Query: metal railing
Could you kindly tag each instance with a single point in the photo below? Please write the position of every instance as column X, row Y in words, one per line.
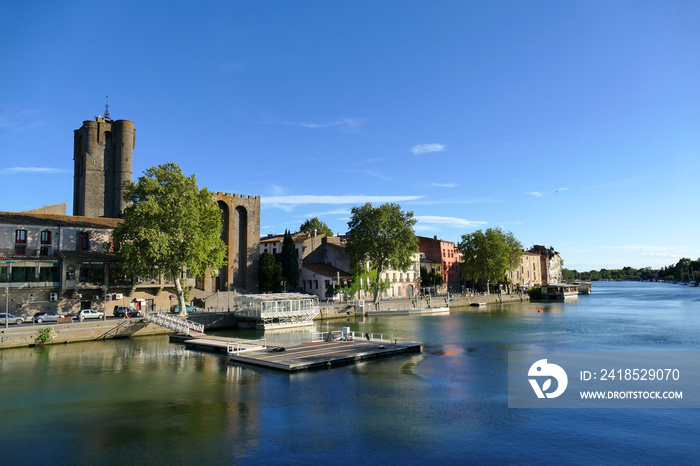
column 339, row 335
column 173, row 323
column 235, row 347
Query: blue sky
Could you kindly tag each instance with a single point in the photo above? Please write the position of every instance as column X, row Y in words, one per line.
column 573, row 124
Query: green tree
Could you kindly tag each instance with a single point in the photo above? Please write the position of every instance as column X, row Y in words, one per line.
column 430, row 279
column 381, row 238
column 489, row 255
column 170, row 227
column 270, row 274
column 289, row 260
column 315, row 225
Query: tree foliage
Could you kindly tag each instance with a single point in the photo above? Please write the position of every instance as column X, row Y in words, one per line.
column 381, row 237
column 269, row 274
column 684, row 270
column 489, row 255
column 366, row 280
column 430, row 279
column 289, row 260
column 170, row 227
column 315, row 225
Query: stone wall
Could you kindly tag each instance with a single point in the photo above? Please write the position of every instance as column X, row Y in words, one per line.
column 27, row 335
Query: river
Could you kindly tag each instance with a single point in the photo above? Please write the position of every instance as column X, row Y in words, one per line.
column 147, row 401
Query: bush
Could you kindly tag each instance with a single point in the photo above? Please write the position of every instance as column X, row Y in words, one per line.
column 44, row 336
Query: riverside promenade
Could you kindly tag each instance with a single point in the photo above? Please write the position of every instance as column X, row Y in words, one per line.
column 332, row 310
column 24, row 335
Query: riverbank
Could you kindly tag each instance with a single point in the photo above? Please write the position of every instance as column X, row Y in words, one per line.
column 63, row 333
column 340, row 311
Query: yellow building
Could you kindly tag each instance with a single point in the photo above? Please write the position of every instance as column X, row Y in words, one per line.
column 528, row 273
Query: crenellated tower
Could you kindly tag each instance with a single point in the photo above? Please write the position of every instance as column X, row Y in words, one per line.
column 102, row 162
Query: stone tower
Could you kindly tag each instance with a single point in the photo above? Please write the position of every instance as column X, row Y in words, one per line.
column 102, row 154
column 240, row 216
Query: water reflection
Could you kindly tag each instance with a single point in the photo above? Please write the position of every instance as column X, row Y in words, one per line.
column 145, row 400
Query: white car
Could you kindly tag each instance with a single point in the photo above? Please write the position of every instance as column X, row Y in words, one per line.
column 90, row 314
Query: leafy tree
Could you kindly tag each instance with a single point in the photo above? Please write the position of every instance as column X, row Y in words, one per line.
column 170, row 227
column 289, row 260
column 270, row 274
column 381, row 237
column 429, row 279
column 489, row 255
column 361, row 281
column 315, row 225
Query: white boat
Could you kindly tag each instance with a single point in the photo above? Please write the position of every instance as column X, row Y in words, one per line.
column 559, row 291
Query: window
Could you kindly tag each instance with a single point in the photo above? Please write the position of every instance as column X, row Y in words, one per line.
column 45, row 251
column 83, row 241
column 49, row 274
column 46, row 237
column 21, row 236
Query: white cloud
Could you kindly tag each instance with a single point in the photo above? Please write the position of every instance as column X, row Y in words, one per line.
column 458, row 201
column 534, row 193
column 345, row 124
column 426, row 229
column 449, row 221
column 329, row 212
column 12, row 170
column 287, row 202
column 425, row 148
column 277, row 190
column 444, row 185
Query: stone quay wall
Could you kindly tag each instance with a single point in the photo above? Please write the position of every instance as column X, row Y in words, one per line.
column 28, row 335
column 343, row 310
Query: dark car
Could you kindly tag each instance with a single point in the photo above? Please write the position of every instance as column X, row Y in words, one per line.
column 10, row 319
column 49, row 316
column 120, row 311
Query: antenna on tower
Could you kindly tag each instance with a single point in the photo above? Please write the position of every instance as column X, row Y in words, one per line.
column 107, row 108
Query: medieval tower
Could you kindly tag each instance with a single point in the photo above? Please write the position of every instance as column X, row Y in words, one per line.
column 102, row 155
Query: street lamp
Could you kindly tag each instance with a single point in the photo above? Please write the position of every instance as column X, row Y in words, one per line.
column 7, row 294
column 228, row 303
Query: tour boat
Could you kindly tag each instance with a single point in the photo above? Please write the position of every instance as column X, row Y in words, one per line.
column 559, row 291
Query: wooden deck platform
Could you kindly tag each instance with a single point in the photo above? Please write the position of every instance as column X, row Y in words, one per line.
column 214, row 344
column 324, row 354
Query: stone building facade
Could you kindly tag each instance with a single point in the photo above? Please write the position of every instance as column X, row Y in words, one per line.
column 447, row 254
column 103, row 155
column 102, row 162
column 240, row 216
column 528, row 273
column 550, row 264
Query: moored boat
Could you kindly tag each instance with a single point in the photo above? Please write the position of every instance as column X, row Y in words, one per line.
column 559, row 291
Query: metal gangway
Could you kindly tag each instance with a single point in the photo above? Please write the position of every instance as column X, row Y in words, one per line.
column 174, row 323
column 235, row 347
column 347, row 335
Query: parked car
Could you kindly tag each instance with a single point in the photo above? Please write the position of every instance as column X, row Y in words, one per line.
column 176, row 309
column 49, row 316
column 120, row 311
column 10, row 319
column 90, row 314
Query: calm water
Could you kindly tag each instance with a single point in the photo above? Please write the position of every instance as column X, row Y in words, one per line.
column 146, row 401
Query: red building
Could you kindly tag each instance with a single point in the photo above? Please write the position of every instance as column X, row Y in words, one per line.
column 447, row 254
